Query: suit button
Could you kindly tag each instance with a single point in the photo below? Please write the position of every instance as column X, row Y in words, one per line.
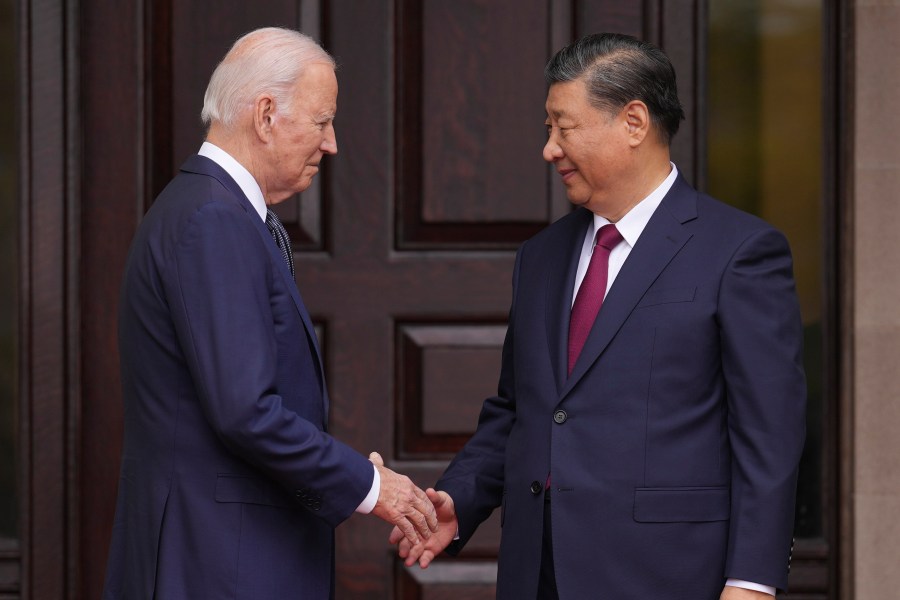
column 536, row 487
column 560, row 417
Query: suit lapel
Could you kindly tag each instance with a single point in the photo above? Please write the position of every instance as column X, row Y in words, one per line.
column 562, row 267
column 658, row 244
column 204, row 166
column 278, row 258
column 291, row 284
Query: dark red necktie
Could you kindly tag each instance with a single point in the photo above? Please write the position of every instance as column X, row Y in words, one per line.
column 590, row 294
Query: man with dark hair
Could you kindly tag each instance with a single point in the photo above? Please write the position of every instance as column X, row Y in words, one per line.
column 649, row 421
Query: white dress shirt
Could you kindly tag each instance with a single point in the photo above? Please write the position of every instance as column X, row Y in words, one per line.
column 630, row 227
column 254, row 194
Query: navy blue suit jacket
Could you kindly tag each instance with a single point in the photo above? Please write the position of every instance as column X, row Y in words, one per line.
column 230, row 487
column 674, row 463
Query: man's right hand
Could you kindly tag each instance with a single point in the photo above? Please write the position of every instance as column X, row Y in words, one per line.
column 448, row 528
column 403, row 505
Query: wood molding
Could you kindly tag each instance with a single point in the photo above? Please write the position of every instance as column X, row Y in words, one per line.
column 49, row 396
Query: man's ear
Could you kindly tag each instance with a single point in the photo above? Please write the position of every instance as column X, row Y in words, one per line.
column 264, row 116
column 637, row 121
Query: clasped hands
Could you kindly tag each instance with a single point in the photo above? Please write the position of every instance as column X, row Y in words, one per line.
column 424, row 522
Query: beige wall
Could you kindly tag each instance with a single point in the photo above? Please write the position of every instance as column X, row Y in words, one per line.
column 876, row 301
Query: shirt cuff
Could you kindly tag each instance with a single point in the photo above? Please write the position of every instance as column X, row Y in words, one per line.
column 747, row 585
column 371, row 498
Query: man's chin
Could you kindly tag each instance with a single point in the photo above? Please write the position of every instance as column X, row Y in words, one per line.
column 577, row 199
column 303, row 184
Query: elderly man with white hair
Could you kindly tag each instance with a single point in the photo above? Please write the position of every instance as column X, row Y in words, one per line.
column 230, row 485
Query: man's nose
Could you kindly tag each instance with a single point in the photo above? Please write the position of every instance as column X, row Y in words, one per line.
column 329, row 144
column 552, row 151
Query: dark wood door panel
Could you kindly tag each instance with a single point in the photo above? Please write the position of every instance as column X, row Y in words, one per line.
column 443, row 370
column 469, row 122
column 468, row 109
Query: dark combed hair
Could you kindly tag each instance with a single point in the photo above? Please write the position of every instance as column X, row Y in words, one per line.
column 617, row 69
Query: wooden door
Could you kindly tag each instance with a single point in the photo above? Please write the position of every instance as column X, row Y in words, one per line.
column 404, row 246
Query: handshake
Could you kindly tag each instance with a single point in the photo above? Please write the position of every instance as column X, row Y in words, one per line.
column 424, row 522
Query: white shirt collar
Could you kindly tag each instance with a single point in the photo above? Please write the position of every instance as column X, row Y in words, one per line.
column 240, row 175
column 635, row 220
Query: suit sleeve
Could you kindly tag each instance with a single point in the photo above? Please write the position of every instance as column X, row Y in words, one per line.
column 475, row 477
column 761, row 340
column 219, row 288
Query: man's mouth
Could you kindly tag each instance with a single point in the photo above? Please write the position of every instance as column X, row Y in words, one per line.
column 566, row 174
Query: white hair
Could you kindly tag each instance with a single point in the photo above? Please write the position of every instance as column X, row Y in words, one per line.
column 267, row 60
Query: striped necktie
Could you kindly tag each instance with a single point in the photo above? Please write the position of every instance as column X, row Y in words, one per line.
column 280, row 235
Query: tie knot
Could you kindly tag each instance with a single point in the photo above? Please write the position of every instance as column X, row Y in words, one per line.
column 608, row 237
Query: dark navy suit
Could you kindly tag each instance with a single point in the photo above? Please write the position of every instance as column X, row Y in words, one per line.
column 674, row 444
column 230, row 487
